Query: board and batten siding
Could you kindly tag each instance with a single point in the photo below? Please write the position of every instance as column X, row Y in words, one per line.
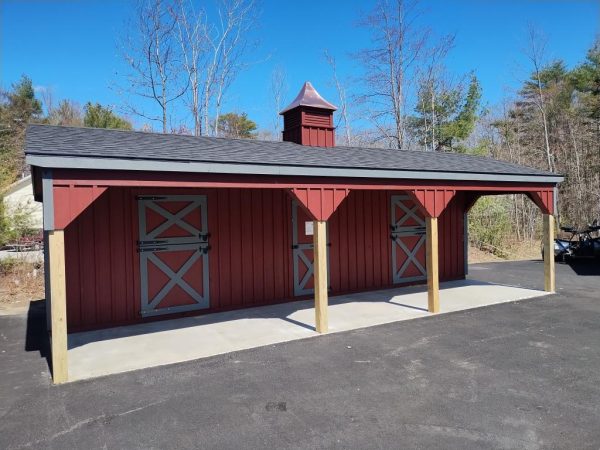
column 250, row 258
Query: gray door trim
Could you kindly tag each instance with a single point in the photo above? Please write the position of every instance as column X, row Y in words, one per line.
column 298, row 255
column 150, row 244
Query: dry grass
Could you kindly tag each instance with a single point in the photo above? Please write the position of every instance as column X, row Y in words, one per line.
column 20, row 282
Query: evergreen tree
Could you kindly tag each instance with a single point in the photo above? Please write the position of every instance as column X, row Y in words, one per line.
column 18, row 107
column 234, row 125
column 98, row 116
column 445, row 115
column 586, row 81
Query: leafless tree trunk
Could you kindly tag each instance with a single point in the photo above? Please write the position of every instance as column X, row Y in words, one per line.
column 278, row 91
column 154, row 69
column 536, row 54
column 47, row 95
column 431, row 79
column 191, row 32
column 227, row 42
column 343, row 100
column 398, row 45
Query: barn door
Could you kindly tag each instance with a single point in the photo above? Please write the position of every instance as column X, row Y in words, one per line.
column 408, row 240
column 303, row 251
column 173, row 247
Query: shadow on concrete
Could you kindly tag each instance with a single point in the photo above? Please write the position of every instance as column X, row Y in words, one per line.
column 410, row 306
column 283, row 311
column 36, row 337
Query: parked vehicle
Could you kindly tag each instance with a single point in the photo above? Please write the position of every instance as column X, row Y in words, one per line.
column 581, row 243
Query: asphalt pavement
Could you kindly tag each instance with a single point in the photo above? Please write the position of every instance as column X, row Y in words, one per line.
column 515, row 375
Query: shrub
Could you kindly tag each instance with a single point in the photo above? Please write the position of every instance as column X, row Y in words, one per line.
column 8, row 265
column 489, row 223
column 15, row 224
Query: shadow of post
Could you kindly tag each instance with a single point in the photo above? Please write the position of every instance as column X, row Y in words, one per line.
column 585, row 266
column 36, row 337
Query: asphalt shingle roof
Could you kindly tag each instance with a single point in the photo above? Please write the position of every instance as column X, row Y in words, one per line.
column 61, row 141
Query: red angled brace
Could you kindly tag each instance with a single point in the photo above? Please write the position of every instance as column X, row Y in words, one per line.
column 544, row 199
column 431, row 200
column 70, row 201
column 319, row 203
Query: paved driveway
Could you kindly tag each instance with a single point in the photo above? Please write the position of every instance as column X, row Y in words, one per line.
column 517, row 375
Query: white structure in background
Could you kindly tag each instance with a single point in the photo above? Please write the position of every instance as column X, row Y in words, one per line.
column 18, row 197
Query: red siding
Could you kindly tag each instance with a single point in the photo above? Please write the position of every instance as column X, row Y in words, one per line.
column 247, row 226
column 251, row 257
column 360, row 254
column 451, row 246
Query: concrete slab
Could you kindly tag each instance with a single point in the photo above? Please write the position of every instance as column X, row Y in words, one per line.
column 122, row 349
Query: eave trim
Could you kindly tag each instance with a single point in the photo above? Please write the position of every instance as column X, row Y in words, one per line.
column 73, row 162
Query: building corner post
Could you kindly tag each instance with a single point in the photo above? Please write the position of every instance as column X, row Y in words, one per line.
column 433, row 282
column 320, row 275
column 549, row 273
column 58, row 305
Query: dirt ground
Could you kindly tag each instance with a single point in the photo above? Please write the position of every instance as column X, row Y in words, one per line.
column 20, row 284
column 516, row 252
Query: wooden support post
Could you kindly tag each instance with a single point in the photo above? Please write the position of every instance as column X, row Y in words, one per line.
column 433, row 282
column 320, row 275
column 58, row 305
column 549, row 276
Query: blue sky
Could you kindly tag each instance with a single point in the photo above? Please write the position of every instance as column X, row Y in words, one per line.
column 70, row 45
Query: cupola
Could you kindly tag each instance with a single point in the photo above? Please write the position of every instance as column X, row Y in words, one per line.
column 308, row 120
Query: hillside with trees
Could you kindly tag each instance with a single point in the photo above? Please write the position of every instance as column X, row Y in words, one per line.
column 552, row 124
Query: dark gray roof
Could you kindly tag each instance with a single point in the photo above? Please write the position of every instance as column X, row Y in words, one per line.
column 58, row 141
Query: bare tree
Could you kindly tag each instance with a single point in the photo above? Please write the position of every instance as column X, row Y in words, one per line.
column 47, row 96
column 68, row 113
column 228, row 43
column 535, row 54
column 192, row 36
column 342, row 97
column 278, row 91
column 153, row 61
column 398, row 45
column 431, row 82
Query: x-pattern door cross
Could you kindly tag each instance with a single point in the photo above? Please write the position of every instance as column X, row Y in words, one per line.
column 400, row 233
column 309, row 273
column 175, row 279
column 171, row 219
column 409, row 213
column 411, row 256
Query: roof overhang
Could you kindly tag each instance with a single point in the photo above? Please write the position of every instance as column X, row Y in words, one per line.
column 145, row 165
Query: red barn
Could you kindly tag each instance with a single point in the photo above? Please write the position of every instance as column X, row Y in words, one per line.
column 141, row 225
